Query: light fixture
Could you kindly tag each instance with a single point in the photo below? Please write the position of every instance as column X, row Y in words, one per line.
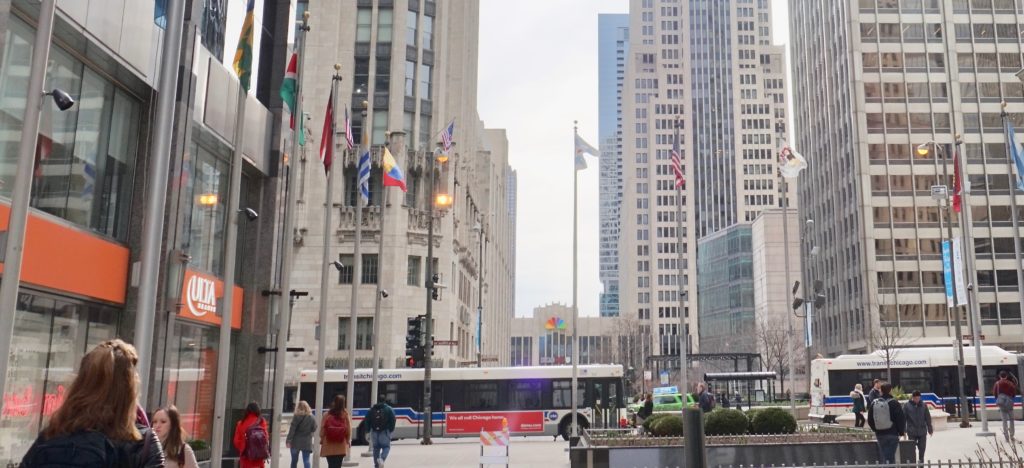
column 384, row 293
column 61, row 98
column 250, row 213
column 442, row 158
column 208, row 199
column 338, row 265
column 443, row 200
column 922, row 149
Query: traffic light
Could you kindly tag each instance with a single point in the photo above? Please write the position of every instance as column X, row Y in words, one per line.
column 414, row 341
column 819, row 295
column 435, row 290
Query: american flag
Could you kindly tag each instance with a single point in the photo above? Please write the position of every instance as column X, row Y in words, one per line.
column 348, row 131
column 447, row 135
column 677, row 168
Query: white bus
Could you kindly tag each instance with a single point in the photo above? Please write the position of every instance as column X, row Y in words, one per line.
column 932, row 371
column 534, row 400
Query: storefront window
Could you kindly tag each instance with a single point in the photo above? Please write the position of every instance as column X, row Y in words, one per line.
column 204, row 226
column 85, row 155
column 50, row 335
column 190, row 375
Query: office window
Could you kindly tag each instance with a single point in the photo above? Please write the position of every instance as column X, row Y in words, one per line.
column 364, row 333
column 345, row 275
column 363, row 24
column 380, row 126
column 385, row 19
column 425, row 81
column 410, row 28
column 370, row 268
column 410, row 82
column 412, row 276
column 428, row 33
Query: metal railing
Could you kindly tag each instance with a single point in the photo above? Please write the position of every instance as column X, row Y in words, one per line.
column 997, row 463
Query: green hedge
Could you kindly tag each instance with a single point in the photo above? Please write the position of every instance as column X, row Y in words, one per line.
column 648, row 423
column 670, row 425
column 773, row 421
column 723, row 421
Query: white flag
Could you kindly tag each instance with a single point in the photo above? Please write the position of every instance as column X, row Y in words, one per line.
column 791, row 163
column 582, row 148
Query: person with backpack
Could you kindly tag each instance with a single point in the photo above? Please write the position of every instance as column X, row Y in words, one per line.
column 1005, row 391
column 167, row 425
column 252, row 439
column 705, row 398
column 300, row 434
column 96, row 425
column 335, row 433
column 382, row 423
column 886, row 418
column 919, row 423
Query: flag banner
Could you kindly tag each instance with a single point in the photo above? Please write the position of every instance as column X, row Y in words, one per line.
column 957, row 183
column 290, row 95
column 393, row 175
column 327, row 138
column 677, row 168
column 947, row 272
column 364, row 176
column 1016, row 153
column 583, row 148
column 350, row 141
column 243, row 53
column 791, row 163
column 808, row 320
column 448, row 135
column 958, row 273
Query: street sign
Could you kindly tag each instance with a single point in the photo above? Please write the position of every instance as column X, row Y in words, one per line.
column 446, row 342
column 663, row 377
column 647, row 375
column 938, row 192
column 969, row 338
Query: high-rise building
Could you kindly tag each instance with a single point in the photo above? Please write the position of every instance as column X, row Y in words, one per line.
column 879, row 78
column 710, row 66
column 725, row 287
column 613, row 46
column 416, row 79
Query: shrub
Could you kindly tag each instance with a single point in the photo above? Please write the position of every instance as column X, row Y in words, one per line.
column 671, row 425
column 751, row 414
column 774, row 421
column 725, row 422
column 649, row 422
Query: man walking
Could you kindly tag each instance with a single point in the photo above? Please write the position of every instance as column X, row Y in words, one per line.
column 919, row 423
column 1005, row 391
column 382, row 423
column 876, row 390
column 886, row 418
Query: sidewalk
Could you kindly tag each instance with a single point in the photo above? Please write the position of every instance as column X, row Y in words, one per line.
column 955, row 443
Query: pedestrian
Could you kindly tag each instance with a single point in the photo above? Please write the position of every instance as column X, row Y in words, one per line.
column 886, row 418
column 96, row 425
column 876, row 390
column 382, row 424
column 300, row 434
column 336, row 433
column 645, row 411
column 251, row 438
column 167, row 425
column 919, row 423
column 859, row 404
column 1005, row 391
column 705, row 398
column 725, row 401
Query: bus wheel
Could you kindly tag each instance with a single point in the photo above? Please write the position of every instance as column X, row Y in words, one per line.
column 565, row 427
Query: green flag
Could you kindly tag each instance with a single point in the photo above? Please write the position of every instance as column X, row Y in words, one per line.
column 243, row 54
column 290, row 92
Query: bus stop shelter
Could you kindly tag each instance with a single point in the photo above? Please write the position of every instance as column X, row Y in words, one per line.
column 731, row 381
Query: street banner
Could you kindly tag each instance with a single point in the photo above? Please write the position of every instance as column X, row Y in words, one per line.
column 947, row 272
column 473, row 423
column 958, row 273
column 808, row 317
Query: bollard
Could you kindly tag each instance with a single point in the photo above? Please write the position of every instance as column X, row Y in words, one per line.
column 694, row 455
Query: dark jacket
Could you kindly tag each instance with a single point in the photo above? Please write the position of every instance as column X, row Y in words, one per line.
column 919, row 419
column 300, row 433
column 647, row 410
column 899, row 420
column 706, row 401
column 76, row 450
column 874, row 393
column 858, row 401
column 389, row 416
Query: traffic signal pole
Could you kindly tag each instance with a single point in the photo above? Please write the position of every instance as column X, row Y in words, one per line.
column 428, row 350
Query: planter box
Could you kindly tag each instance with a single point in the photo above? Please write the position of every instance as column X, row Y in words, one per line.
column 823, row 453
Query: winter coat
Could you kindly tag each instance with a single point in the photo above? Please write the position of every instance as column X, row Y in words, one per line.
column 300, row 434
column 859, row 404
column 389, row 416
column 239, row 440
column 899, row 421
column 145, row 453
column 330, row 447
column 919, row 419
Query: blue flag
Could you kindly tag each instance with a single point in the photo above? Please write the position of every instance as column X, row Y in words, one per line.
column 364, row 176
column 1015, row 154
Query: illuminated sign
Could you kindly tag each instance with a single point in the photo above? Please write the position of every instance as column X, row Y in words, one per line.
column 200, row 296
column 555, row 323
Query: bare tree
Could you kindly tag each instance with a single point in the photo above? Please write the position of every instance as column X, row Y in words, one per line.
column 773, row 342
column 633, row 346
column 888, row 341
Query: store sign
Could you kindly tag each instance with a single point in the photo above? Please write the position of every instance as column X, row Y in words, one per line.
column 202, row 295
column 472, row 423
column 24, row 403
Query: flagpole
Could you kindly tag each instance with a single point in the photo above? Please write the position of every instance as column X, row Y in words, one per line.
column 575, row 291
column 287, row 249
column 357, row 277
column 1013, row 205
column 785, row 254
column 321, row 361
column 684, row 340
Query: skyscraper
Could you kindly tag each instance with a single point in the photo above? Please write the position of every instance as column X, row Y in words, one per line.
column 879, row 79
column 710, row 66
column 613, row 45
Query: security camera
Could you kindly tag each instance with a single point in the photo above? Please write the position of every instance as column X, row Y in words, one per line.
column 384, row 293
column 62, row 99
column 338, row 265
column 250, row 213
column 970, row 286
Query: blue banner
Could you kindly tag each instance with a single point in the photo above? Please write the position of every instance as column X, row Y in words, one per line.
column 947, row 271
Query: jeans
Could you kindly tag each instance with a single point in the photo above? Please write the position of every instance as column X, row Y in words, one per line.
column 381, row 442
column 887, row 445
column 334, row 461
column 920, row 442
column 305, row 457
column 1007, row 417
column 859, row 419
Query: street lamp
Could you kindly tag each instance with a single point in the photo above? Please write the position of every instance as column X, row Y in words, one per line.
column 440, row 200
column 940, row 193
column 479, row 229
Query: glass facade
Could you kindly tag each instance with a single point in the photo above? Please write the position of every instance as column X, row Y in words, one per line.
column 189, row 375
column 206, row 188
column 725, row 284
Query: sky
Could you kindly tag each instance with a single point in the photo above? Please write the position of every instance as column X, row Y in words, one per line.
column 537, row 75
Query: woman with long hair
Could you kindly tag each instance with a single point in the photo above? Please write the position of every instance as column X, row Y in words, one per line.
column 300, row 434
column 252, row 439
column 99, row 410
column 336, row 434
column 167, row 425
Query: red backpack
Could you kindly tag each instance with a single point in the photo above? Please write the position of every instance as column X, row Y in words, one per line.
column 336, row 428
column 257, row 442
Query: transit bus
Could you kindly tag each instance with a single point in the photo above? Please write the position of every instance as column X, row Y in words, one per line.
column 932, row 371
column 464, row 401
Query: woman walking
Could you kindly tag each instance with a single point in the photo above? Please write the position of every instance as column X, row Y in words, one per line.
column 859, row 404
column 300, row 434
column 336, row 433
column 167, row 425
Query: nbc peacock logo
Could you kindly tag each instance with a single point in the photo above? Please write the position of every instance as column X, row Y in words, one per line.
column 555, row 323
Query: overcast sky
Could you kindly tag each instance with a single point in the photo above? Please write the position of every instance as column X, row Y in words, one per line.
column 538, row 73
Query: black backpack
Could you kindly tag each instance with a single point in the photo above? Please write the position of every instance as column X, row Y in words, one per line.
column 377, row 420
column 81, row 449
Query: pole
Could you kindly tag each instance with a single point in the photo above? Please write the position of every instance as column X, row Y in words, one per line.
column 480, row 300
column 357, row 277
column 287, row 251
column 967, row 232
column 428, row 346
column 575, row 293
column 325, row 262
column 789, row 316
column 1013, row 206
column 23, row 191
column 684, row 341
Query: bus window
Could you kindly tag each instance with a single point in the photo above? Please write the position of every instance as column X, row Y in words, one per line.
column 561, row 396
column 389, row 391
column 525, row 395
column 361, row 399
column 481, row 395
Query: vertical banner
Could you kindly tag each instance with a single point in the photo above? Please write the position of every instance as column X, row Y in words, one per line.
column 808, row 341
column 958, row 273
column 947, row 272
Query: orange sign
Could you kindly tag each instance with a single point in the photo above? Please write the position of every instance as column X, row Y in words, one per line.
column 201, row 296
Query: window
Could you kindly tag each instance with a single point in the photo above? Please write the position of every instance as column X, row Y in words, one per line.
column 481, row 395
column 364, row 333
column 363, row 18
column 412, row 276
column 160, row 14
column 370, row 268
column 526, row 395
column 214, row 20
column 561, row 396
column 345, row 275
column 425, row 81
column 385, row 18
column 428, row 32
column 203, row 231
column 425, row 134
column 410, row 28
column 410, row 83
column 380, row 127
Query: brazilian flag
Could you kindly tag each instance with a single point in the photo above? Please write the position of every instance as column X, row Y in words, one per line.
column 243, row 54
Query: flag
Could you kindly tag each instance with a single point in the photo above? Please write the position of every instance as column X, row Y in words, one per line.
column 582, row 148
column 956, row 181
column 327, row 140
column 1015, row 154
column 243, row 53
column 364, row 176
column 447, row 136
column 393, row 175
column 290, row 94
column 349, row 140
column 791, row 163
column 677, row 168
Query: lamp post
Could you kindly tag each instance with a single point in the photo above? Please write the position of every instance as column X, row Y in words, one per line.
column 479, row 229
column 436, row 200
column 939, row 195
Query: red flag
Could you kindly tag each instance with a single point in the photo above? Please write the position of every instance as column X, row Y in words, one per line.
column 956, row 181
column 327, row 139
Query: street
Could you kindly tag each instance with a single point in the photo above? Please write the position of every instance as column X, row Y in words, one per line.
column 539, row 452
